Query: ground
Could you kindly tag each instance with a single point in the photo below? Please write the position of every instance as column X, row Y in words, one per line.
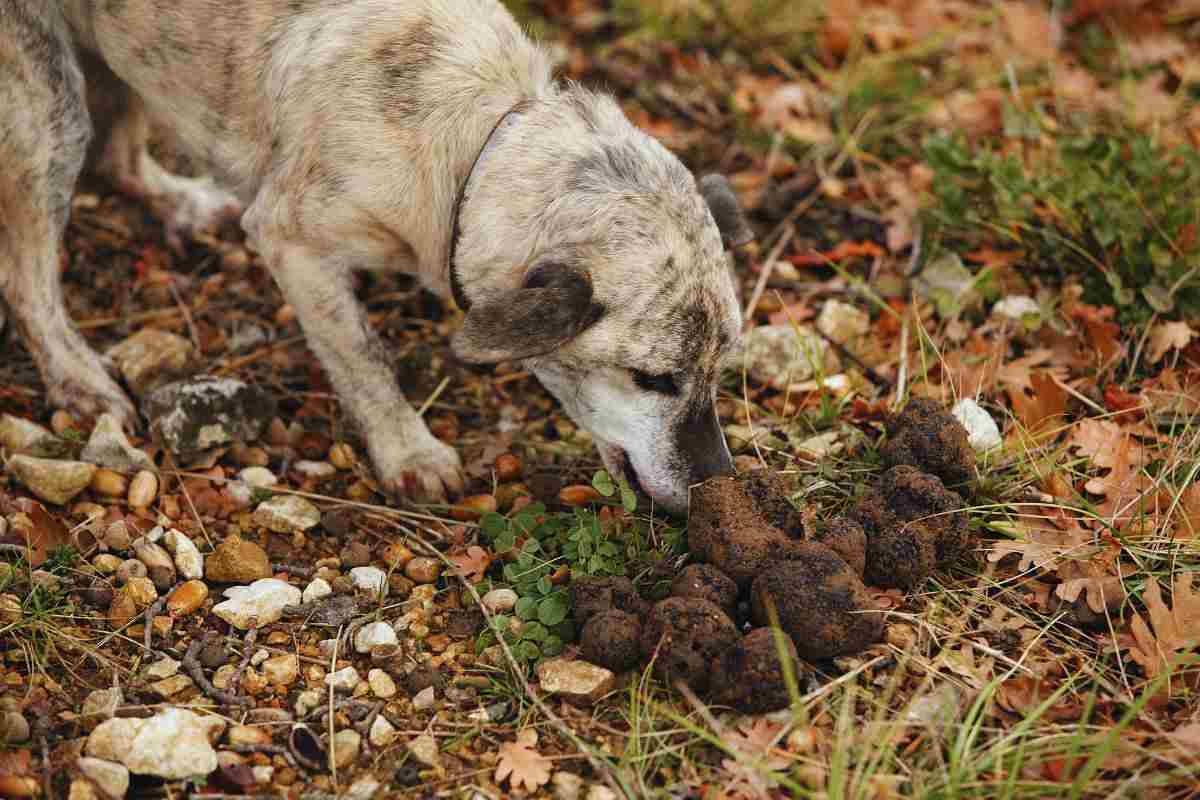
column 995, row 203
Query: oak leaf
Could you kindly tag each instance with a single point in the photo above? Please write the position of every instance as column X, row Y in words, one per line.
column 521, row 764
column 1172, row 632
column 1168, row 336
column 472, row 564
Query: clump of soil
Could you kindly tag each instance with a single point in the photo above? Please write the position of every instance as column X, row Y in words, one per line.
column 684, row 635
column 928, row 436
column 820, row 602
column 750, row 677
column 847, row 538
column 591, row 596
column 612, row 639
column 707, row 583
column 730, row 530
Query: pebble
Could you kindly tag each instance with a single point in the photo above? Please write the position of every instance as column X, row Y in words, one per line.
column 498, row 601
column 425, row 699
column 163, row 668
column 116, row 536
column 382, row 685
column 567, row 785
column 257, row 477
column 109, row 483
column 424, row 748
column 341, row 455
column 423, row 569
column 982, row 432
column 314, row 469
column 100, row 705
column 159, row 566
column 109, row 447
column 172, row 744
column 142, row 489
column 80, row 789
column 55, row 482
column 842, row 322
column 281, row 670
column 110, row 777
column 258, row 604
column 188, row 559
column 129, row 569
column 248, row 736
column 508, row 467
column 365, row 787
column 237, row 560
column 373, row 635
column 106, row 563
column 186, row 598
column 346, row 745
column 577, row 681
column 370, row 580
column 14, row 728
column 287, row 514
column 150, row 358
column 131, row 600
column 22, row 436
column 191, row 416
column 169, row 687
column 382, row 733
column 317, row 589
column 777, row 355
column 308, row 701
column 344, row 680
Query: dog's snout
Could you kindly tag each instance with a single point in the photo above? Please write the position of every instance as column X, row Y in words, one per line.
column 702, row 444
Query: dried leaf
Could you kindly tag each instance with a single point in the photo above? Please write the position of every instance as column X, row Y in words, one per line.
column 1168, row 336
column 1158, row 646
column 521, row 764
column 472, row 564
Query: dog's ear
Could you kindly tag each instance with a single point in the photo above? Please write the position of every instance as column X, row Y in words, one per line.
column 552, row 307
column 723, row 204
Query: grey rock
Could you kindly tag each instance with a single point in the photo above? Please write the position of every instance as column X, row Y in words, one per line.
column 108, row 446
column 191, row 416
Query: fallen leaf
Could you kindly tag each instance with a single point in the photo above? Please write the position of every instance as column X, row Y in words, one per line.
column 472, row 564
column 1172, row 631
column 521, row 764
column 1168, row 336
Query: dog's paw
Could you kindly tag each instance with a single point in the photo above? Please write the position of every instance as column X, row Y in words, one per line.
column 196, row 204
column 90, row 393
column 428, row 471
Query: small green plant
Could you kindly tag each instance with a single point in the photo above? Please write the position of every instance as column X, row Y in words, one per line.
column 539, row 549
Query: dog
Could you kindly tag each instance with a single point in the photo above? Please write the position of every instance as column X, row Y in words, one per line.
column 421, row 136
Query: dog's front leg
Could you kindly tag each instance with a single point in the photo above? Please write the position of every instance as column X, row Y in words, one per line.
column 408, row 459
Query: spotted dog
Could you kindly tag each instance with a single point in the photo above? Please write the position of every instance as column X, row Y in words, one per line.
column 422, row 136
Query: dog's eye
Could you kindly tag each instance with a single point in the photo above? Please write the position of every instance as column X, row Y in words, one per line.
column 661, row 384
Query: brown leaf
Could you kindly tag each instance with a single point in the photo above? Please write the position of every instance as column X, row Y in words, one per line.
column 521, row 764
column 472, row 564
column 1171, row 632
column 1168, row 336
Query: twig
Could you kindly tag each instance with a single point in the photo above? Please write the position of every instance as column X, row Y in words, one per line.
column 333, row 655
column 186, row 312
column 235, row 682
column 441, row 387
column 767, row 268
column 843, row 351
column 193, row 667
column 152, row 611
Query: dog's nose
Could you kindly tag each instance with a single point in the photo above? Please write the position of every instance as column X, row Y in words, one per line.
column 701, row 442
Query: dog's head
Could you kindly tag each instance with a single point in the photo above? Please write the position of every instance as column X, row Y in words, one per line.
column 625, row 306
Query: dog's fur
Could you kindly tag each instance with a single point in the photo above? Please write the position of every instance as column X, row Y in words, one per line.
column 346, row 129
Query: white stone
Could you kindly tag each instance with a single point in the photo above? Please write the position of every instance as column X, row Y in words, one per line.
column 374, row 634
column 1019, row 307
column 287, row 513
column 263, row 774
column 575, row 680
column 314, row 469
column 281, row 670
column 163, row 668
column 371, row 580
column 317, row 589
column 112, row 778
column 982, row 432
column 843, row 322
column 382, row 685
column 258, row 604
column 307, row 702
column 344, row 680
column 425, row 699
column 382, row 733
column 781, row 354
column 19, row 435
column 424, row 748
column 188, row 559
column 346, row 745
column 497, row 601
column 54, row 481
column 109, row 447
column 567, row 785
column 173, row 744
column 365, row 787
column 257, row 477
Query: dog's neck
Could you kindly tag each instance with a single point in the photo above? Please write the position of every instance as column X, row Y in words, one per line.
column 456, row 287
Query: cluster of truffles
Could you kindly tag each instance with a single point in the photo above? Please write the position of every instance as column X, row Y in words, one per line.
column 763, row 568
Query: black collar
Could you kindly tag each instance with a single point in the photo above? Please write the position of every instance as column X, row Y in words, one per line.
column 456, row 289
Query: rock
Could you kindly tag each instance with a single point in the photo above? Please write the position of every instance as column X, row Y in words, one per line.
column 189, row 417
column 776, row 355
column 150, row 358
column 369, row 580
column 843, row 322
column 567, row 785
column 317, row 589
column 927, row 436
column 820, row 603
column 281, row 670
column 591, row 596
column 237, row 560
column 173, row 744
column 169, row 687
column 319, row 470
column 80, row 789
column 163, row 668
column 365, row 787
column 750, row 676
column 374, row 634
column 117, row 537
column 257, row 477
column 55, row 482
column 110, row 777
column 425, row 699
column 947, row 283
column 159, row 566
column 382, row 685
column 143, row 489
column 130, row 600
column 1020, row 307
column 186, row 555
column 847, row 538
column 382, row 732
column 423, row 569
column 345, row 747
column 344, row 680
column 707, row 583
column 108, row 446
column 14, row 728
column 612, row 639
column 982, row 432
column 248, row 736
column 424, row 749
column 258, row 604
column 287, row 513
column 100, row 705
column 683, row 636
column 186, row 598
column 499, row 601
column 576, row 681
column 129, row 569
column 24, row 437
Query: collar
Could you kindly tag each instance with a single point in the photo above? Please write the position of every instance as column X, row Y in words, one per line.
column 456, row 289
